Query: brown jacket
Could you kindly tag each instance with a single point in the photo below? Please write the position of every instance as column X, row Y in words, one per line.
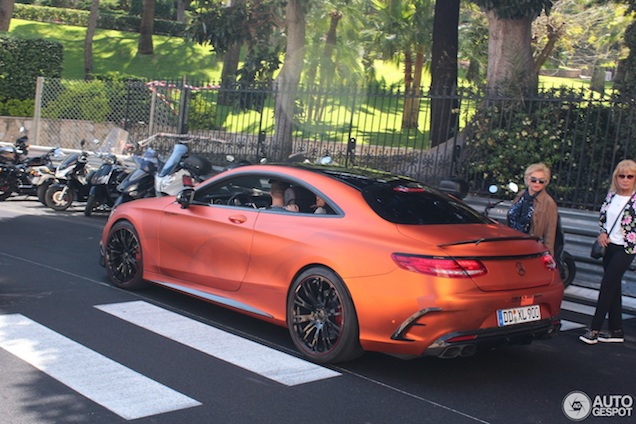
column 544, row 218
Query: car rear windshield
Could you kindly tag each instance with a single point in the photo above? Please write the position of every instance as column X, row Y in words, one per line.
column 409, row 202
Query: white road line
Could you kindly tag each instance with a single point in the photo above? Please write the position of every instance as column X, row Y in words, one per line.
column 584, row 309
column 270, row 363
column 106, row 382
column 569, row 325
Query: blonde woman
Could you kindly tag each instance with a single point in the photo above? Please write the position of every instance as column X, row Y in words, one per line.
column 618, row 236
column 534, row 211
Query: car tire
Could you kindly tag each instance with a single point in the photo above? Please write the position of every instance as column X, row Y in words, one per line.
column 57, row 199
column 321, row 317
column 123, row 257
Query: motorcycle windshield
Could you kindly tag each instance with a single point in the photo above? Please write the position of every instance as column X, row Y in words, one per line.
column 178, row 152
column 69, row 160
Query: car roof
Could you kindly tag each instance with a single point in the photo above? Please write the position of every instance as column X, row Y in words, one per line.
column 359, row 178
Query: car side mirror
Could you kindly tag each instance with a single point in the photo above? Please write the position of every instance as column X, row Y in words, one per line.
column 185, row 197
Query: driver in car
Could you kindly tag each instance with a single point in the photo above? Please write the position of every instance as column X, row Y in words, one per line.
column 283, row 197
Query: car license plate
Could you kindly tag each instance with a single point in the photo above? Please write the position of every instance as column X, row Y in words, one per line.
column 518, row 315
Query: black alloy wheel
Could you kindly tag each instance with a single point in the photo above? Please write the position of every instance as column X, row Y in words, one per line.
column 321, row 317
column 124, row 258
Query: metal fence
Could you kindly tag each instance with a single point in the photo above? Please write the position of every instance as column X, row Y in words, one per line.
column 378, row 127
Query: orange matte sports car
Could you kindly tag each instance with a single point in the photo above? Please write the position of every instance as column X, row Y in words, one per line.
column 348, row 260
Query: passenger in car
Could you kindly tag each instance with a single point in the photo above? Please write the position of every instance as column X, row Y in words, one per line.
column 319, row 206
column 282, row 197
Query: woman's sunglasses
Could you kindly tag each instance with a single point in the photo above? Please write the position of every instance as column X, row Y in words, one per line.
column 623, row 176
column 541, row 180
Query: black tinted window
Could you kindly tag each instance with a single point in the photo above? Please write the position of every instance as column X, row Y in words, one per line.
column 408, row 202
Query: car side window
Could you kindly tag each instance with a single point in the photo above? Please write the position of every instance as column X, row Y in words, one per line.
column 241, row 191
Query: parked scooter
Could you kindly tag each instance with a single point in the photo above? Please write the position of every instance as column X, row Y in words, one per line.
column 103, row 191
column 73, row 176
column 140, row 183
column 17, row 153
column 28, row 177
column 565, row 261
column 169, row 180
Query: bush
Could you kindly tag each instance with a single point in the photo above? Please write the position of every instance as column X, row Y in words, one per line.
column 84, row 100
column 23, row 61
column 15, row 107
column 562, row 130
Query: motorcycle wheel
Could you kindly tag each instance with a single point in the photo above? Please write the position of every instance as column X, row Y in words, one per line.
column 4, row 195
column 567, row 269
column 91, row 203
column 42, row 188
column 59, row 199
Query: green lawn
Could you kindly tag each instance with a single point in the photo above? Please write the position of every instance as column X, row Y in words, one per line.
column 115, row 51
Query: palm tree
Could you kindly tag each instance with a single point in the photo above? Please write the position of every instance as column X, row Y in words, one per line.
column 88, row 41
column 146, row 29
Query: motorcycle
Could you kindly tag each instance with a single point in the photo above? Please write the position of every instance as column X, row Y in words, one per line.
column 28, row 177
column 141, row 182
column 103, row 191
column 170, row 180
column 17, row 153
column 73, row 176
column 565, row 261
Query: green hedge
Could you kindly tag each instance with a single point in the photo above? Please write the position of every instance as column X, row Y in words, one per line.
column 117, row 22
column 22, row 61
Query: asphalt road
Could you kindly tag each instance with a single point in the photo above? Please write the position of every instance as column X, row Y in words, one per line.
column 73, row 348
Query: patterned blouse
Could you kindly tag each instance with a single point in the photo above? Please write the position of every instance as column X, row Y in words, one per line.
column 628, row 222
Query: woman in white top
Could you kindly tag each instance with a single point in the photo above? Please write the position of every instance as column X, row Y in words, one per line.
column 618, row 235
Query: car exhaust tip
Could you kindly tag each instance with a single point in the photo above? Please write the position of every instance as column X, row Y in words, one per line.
column 456, row 351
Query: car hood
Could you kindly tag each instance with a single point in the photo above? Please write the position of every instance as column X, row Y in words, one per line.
column 513, row 259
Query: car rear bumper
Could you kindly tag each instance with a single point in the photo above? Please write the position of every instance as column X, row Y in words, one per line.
column 467, row 343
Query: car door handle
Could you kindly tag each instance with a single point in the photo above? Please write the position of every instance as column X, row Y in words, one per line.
column 237, row 219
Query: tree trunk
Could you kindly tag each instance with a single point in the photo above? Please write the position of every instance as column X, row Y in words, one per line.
column 444, row 70
column 288, row 79
column 412, row 102
column 88, row 41
column 147, row 27
column 6, row 12
column 182, row 5
column 510, row 63
column 228, row 73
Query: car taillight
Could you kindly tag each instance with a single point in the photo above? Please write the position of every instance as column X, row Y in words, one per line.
column 548, row 261
column 440, row 267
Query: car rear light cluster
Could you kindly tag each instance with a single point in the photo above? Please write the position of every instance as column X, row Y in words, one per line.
column 440, row 267
column 549, row 261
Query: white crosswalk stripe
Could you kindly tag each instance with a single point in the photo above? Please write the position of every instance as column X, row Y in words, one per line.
column 270, row 363
column 126, row 392
column 121, row 390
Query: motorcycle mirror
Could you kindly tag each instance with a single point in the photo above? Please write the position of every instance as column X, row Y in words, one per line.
column 96, row 141
column 229, row 158
column 493, row 189
column 513, row 187
column 58, row 153
column 263, row 161
column 22, row 129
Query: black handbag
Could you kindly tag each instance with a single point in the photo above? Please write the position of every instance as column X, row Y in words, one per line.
column 598, row 251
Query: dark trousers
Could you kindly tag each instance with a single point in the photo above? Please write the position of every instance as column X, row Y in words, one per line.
column 615, row 263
